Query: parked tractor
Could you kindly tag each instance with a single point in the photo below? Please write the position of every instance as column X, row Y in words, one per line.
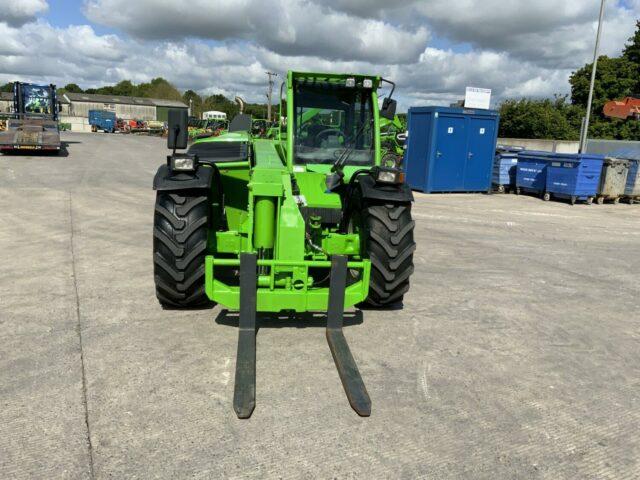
column 310, row 220
column 34, row 122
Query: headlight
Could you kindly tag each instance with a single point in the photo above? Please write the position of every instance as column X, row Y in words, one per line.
column 388, row 175
column 350, row 83
column 183, row 164
column 367, row 83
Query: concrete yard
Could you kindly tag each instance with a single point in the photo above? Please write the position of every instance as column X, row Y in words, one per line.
column 516, row 354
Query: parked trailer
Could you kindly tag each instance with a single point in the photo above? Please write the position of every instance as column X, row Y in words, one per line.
column 612, row 180
column 102, row 120
column 573, row 177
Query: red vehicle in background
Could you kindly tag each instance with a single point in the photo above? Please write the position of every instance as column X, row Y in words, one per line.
column 625, row 108
column 128, row 126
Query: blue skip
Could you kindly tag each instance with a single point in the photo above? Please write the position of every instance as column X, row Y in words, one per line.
column 573, row 177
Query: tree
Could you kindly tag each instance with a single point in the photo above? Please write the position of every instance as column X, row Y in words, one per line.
column 124, row 88
column 615, row 78
column 221, row 104
column 158, row 88
column 7, row 87
column 546, row 118
column 195, row 101
column 632, row 50
column 72, row 88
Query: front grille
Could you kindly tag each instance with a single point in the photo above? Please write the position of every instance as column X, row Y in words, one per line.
column 328, row 215
column 218, row 152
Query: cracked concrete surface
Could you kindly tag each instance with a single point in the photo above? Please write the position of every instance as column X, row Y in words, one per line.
column 515, row 356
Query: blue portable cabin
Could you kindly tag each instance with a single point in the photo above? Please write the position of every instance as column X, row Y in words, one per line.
column 531, row 171
column 102, row 120
column 504, row 167
column 574, row 176
column 450, row 149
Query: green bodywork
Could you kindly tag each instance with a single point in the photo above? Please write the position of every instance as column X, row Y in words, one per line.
column 261, row 214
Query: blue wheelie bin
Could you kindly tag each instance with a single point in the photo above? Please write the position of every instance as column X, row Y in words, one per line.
column 531, row 172
column 632, row 188
column 504, row 168
column 574, row 177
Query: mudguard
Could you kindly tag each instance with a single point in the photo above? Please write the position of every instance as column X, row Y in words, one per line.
column 375, row 191
column 166, row 180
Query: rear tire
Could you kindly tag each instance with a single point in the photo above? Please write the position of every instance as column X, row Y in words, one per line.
column 180, row 229
column 386, row 234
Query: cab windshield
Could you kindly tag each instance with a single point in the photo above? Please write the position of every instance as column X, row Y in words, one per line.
column 37, row 99
column 329, row 119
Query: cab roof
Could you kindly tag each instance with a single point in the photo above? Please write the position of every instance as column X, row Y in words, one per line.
column 331, row 78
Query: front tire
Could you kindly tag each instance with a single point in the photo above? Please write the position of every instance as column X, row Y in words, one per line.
column 180, row 230
column 386, row 235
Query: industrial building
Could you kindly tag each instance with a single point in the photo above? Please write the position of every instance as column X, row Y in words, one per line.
column 74, row 107
column 6, row 104
column 127, row 108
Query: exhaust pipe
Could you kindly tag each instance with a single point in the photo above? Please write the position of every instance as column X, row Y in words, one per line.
column 240, row 103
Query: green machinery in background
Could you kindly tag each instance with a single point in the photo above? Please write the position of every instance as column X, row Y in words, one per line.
column 393, row 136
column 307, row 220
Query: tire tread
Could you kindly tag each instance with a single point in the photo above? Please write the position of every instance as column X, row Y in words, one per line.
column 389, row 244
column 180, row 234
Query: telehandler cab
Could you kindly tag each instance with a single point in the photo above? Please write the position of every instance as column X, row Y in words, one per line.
column 307, row 221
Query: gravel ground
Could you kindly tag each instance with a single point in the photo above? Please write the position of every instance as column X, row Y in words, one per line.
column 515, row 355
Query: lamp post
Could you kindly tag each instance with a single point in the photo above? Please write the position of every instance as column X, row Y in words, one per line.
column 585, row 128
column 271, row 81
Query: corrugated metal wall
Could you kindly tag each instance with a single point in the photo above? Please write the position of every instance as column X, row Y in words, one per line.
column 128, row 112
column 162, row 113
column 6, row 106
column 615, row 148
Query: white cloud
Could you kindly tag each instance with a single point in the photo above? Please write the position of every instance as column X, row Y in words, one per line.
column 515, row 48
column 290, row 27
column 19, row 12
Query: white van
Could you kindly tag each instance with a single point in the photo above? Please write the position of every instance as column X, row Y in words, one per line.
column 214, row 115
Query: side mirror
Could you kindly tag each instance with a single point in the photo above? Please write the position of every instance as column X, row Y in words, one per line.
column 178, row 132
column 388, row 109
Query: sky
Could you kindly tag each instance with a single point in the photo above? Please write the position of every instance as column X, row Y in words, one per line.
column 432, row 49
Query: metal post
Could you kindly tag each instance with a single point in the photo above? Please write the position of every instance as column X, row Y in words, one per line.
column 585, row 131
column 271, row 82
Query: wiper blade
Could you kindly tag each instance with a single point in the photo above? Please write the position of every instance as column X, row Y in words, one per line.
column 349, row 150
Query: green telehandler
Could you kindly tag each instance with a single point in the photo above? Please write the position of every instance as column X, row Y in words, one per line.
column 310, row 220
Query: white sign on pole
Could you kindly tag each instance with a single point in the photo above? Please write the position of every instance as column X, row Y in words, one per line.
column 477, row 98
